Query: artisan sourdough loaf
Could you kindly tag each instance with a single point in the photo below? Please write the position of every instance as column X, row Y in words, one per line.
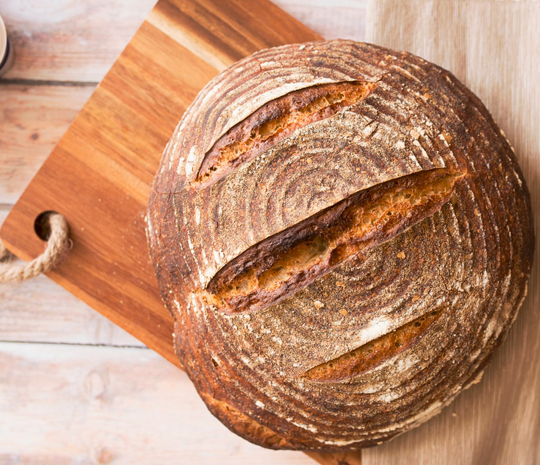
column 343, row 236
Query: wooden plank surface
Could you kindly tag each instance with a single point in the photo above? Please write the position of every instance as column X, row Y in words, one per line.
column 492, row 46
column 103, row 405
column 70, row 40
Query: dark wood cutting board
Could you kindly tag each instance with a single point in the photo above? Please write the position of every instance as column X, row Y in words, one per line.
column 100, row 173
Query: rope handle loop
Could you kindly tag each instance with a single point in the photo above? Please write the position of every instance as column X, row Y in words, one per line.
column 57, row 243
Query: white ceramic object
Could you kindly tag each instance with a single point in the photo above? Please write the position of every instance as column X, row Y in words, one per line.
column 6, row 50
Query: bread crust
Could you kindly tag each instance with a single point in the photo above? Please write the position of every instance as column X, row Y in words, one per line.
column 284, row 374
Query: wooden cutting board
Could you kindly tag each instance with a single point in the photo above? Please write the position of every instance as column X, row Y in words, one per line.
column 100, row 173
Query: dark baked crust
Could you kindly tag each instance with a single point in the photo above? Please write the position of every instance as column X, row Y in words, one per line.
column 297, row 372
column 274, row 121
column 291, row 259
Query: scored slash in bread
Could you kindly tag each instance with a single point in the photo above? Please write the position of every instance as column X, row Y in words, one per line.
column 343, row 236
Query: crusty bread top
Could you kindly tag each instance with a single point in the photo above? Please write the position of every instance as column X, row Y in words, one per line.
column 343, row 236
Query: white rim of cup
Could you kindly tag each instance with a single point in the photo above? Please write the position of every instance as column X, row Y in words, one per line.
column 6, row 50
column 3, row 41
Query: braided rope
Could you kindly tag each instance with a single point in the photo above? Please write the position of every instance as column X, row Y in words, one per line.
column 57, row 243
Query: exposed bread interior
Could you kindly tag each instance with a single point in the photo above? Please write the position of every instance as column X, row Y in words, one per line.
column 275, row 121
column 368, row 356
column 295, row 257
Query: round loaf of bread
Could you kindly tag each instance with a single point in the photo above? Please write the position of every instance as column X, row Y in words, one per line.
column 343, row 236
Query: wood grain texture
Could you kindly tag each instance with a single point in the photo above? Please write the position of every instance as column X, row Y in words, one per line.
column 35, row 311
column 50, row 48
column 78, row 41
column 41, row 311
column 108, row 158
column 33, row 118
column 69, row 40
column 488, row 45
column 100, row 405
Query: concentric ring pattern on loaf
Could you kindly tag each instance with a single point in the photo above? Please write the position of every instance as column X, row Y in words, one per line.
column 343, row 236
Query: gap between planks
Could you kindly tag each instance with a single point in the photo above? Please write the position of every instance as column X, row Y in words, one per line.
column 76, row 344
column 77, row 41
column 37, row 82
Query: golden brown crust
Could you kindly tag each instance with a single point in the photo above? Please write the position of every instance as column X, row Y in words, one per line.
column 373, row 353
column 245, row 426
column 467, row 258
column 288, row 261
column 274, row 121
